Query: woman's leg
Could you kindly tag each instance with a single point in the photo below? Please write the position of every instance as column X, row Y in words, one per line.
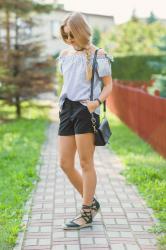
column 85, row 146
column 67, row 150
column 86, row 187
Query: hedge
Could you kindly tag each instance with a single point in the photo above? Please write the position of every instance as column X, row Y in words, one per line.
column 135, row 67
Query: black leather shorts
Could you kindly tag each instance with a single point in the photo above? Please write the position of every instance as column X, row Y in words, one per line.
column 75, row 118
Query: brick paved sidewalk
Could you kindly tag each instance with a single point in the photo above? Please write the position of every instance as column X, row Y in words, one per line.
column 121, row 225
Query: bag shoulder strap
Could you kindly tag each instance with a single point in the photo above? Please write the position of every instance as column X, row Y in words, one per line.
column 92, row 79
column 93, row 71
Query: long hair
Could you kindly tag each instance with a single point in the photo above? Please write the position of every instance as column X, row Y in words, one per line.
column 81, row 31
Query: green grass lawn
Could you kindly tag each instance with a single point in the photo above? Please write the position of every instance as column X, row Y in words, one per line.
column 143, row 167
column 20, row 145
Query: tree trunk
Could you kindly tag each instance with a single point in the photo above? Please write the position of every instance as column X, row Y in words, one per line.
column 18, row 106
column 16, row 70
column 7, row 35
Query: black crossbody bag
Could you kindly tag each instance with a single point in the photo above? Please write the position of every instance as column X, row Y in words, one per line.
column 103, row 133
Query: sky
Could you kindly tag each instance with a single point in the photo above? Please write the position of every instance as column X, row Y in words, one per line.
column 120, row 9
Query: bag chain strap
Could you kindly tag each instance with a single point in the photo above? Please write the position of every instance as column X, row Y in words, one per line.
column 93, row 119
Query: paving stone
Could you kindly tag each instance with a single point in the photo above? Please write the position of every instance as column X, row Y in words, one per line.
column 126, row 234
column 47, row 216
column 117, row 209
column 35, row 216
column 59, row 247
column 86, row 240
column 132, row 215
column 45, row 229
column 144, row 242
column 124, row 219
column 106, row 209
column 72, row 247
column 37, row 248
column 117, row 247
column 114, row 234
column 72, row 234
column 30, row 242
column 98, row 228
column 110, row 221
column 33, row 229
column 70, row 210
column 46, row 242
column 59, row 210
column 100, row 240
column 58, row 221
column 137, row 228
column 132, row 247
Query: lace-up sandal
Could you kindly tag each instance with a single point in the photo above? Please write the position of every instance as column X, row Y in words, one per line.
column 81, row 221
column 95, row 207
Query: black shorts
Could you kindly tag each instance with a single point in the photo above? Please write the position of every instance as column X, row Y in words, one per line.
column 75, row 118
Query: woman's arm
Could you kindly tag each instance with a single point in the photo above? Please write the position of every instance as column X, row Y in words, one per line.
column 107, row 88
column 107, row 82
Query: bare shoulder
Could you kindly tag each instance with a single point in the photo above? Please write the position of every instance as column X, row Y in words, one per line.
column 101, row 52
column 64, row 52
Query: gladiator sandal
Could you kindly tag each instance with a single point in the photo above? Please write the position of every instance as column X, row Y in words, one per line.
column 95, row 207
column 84, row 219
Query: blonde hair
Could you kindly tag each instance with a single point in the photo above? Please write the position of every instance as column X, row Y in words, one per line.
column 81, row 32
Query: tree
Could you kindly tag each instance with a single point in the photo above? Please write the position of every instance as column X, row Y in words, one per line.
column 133, row 38
column 96, row 36
column 27, row 71
column 134, row 17
column 159, row 83
column 152, row 18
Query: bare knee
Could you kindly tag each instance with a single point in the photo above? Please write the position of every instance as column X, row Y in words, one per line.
column 67, row 150
column 86, row 164
column 66, row 165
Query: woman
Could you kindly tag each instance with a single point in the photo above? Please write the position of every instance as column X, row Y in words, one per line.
column 75, row 129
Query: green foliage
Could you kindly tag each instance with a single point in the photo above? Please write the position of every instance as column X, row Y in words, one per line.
column 152, row 18
column 162, row 242
column 19, row 153
column 159, row 84
column 59, row 85
column 160, row 79
column 58, row 75
column 22, row 7
column 3, row 71
column 133, row 37
column 31, row 110
column 160, row 64
column 28, row 71
column 135, row 67
column 134, row 17
column 96, row 36
column 144, row 168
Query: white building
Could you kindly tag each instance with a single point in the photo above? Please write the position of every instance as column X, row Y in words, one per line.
column 48, row 28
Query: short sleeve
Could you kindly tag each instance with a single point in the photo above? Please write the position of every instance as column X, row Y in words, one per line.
column 104, row 65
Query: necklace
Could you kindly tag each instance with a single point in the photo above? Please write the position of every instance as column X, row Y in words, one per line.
column 78, row 48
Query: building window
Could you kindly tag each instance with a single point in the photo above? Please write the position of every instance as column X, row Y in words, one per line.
column 54, row 28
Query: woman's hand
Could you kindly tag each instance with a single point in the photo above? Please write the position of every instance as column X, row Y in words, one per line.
column 92, row 105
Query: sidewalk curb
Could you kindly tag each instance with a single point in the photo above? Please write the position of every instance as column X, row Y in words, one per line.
column 28, row 204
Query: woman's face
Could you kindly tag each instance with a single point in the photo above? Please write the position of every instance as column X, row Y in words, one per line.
column 69, row 36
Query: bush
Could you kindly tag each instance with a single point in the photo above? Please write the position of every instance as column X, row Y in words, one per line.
column 159, row 85
column 135, row 67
